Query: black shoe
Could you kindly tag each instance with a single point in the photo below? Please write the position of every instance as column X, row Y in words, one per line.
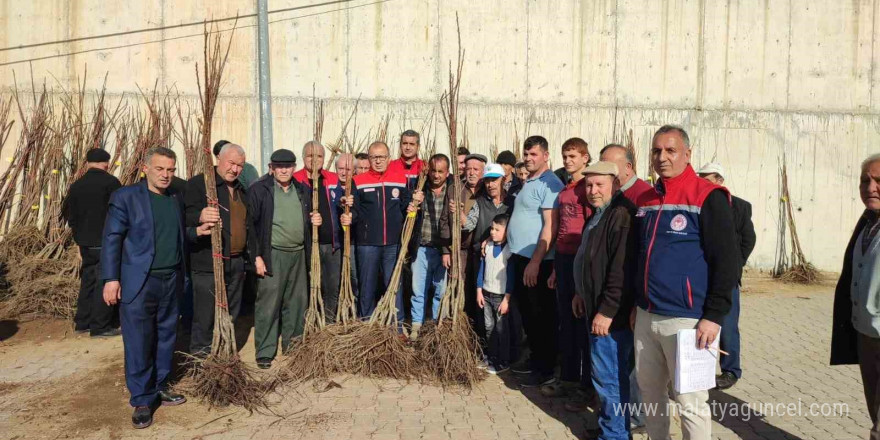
column 108, row 334
column 79, row 330
column 536, row 379
column 171, row 399
column 264, row 363
column 142, row 417
column 725, row 380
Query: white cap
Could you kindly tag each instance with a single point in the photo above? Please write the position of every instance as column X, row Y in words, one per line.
column 492, row 171
column 712, row 168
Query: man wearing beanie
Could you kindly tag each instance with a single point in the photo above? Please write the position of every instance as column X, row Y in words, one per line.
column 508, row 161
column 85, row 209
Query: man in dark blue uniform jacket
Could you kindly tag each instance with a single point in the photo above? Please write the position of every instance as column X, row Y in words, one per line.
column 143, row 269
column 381, row 201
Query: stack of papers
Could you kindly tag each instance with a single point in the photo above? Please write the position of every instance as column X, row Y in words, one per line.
column 694, row 368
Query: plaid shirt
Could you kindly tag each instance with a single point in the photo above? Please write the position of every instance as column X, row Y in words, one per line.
column 430, row 228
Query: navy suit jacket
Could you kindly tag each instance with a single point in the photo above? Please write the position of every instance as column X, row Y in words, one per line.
column 128, row 246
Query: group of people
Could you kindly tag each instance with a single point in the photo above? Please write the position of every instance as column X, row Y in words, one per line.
column 594, row 267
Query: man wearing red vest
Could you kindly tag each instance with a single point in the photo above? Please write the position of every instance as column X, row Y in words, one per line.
column 330, row 231
column 688, row 267
column 408, row 163
column 410, row 166
column 630, row 184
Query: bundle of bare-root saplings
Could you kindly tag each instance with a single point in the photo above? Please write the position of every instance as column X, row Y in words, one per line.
column 40, row 264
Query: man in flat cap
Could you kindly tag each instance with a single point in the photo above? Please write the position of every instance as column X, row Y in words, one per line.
column 604, row 272
column 279, row 215
column 474, row 168
column 85, row 209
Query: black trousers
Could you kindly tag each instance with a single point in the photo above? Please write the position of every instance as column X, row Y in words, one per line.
column 470, row 260
column 331, row 268
column 92, row 313
column 203, row 303
column 537, row 305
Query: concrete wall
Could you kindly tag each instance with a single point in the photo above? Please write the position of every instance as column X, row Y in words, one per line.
column 749, row 79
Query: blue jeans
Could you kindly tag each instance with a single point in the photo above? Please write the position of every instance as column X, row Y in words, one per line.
column 371, row 262
column 730, row 337
column 149, row 331
column 427, row 270
column 575, row 364
column 611, row 358
column 635, row 397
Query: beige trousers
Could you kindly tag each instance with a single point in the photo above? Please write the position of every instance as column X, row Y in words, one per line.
column 655, row 341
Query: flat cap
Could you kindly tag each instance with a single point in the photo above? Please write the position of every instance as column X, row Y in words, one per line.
column 283, row 156
column 219, row 145
column 479, row 157
column 96, row 155
column 506, row 158
column 602, row 168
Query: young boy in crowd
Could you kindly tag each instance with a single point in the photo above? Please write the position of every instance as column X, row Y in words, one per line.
column 494, row 284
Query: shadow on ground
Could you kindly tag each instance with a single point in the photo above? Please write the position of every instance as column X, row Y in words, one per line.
column 743, row 421
column 8, row 328
column 582, row 425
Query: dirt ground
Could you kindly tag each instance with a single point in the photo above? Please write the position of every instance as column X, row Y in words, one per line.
column 58, row 384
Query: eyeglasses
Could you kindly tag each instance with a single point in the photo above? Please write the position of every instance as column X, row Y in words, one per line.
column 378, row 158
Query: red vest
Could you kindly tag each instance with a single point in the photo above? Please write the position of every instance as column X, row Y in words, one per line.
column 673, row 275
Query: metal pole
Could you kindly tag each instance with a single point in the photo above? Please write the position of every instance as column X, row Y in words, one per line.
column 266, row 144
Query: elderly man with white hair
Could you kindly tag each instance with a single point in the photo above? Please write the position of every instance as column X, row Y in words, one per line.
column 230, row 209
column 346, row 166
column 604, row 271
column 855, row 337
column 330, row 231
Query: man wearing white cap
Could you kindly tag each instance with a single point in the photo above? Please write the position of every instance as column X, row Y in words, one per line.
column 488, row 202
column 745, row 236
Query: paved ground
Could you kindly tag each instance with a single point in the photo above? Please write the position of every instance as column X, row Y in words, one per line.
column 57, row 385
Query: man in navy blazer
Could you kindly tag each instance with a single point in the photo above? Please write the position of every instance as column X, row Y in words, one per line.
column 143, row 250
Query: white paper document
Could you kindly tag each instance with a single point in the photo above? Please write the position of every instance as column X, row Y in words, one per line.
column 694, row 368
